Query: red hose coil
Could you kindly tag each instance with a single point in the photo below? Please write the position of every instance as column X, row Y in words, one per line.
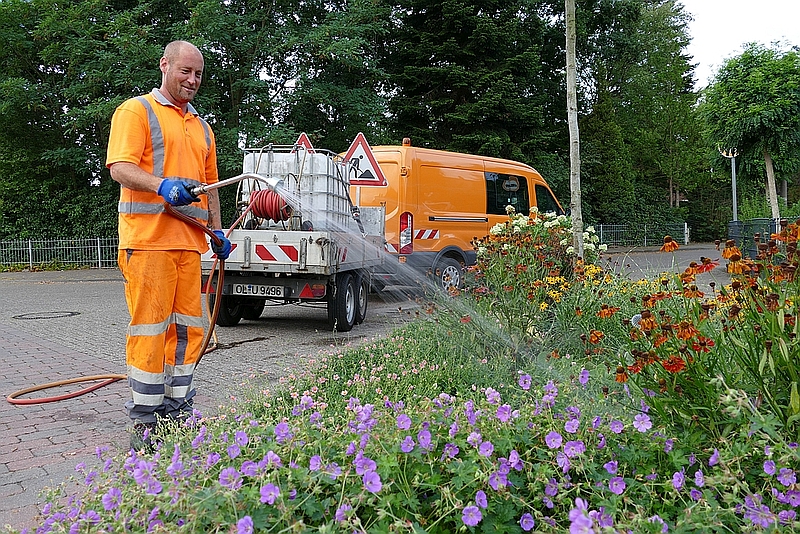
column 267, row 204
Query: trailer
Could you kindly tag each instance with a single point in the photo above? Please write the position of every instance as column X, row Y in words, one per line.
column 301, row 241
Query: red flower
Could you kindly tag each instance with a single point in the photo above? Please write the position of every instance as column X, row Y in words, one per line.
column 674, row 364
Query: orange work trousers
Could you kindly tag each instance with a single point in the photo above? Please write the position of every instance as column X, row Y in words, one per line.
column 165, row 335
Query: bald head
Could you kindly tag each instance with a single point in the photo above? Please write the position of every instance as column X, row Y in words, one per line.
column 181, row 72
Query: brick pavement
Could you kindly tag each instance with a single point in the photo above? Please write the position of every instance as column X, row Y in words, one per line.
column 41, row 444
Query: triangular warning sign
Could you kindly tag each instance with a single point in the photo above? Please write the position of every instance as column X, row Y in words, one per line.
column 368, row 172
column 304, row 142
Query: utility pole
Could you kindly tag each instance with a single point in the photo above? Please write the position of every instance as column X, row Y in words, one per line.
column 731, row 154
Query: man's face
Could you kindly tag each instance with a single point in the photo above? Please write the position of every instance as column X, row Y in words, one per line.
column 181, row 76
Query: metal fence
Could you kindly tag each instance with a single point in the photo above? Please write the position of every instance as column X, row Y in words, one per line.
column 95, row 252
column 641, row 235
column 101, row 252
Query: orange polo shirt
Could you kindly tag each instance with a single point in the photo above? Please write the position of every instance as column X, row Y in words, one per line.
column 155, row 135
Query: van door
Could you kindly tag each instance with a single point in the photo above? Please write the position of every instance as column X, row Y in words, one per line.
column 505, row 189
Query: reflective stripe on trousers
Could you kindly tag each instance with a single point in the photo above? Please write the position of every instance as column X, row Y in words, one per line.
column 165, row 335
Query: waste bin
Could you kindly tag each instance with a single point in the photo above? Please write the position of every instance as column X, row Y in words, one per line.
column 743, row 233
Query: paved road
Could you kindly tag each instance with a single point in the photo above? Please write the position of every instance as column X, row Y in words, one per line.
column 59, row 325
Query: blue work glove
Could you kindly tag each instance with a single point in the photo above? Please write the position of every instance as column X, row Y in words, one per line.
column 222, row 251
column 177, row 192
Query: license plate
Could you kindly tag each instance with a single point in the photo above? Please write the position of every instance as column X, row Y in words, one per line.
column 255, row 290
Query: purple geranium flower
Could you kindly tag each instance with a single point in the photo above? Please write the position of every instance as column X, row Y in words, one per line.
column 786, row 476
column 699, row 479
column 572, row 426
column 553, row 440
column 230, row 478
column 407, row 445
column 481, row 500
column 574, row 448
column 372, row 481
column 616, row 426
column 424, row 439
column 315, row 463
column 642, row 422
column 584, row 377
column 241, row 438
column 403, row 422
column 504, row 413
column 714, row 460
column 769, row 467
column 245, row 525
column 678, row 479
column 486, row 449
column 526, row 522
column 617, row 485
column 112, row 499
column 269, row 493
column 341, row 512
column 471, row 516
column 611, row 467
column 525, row 382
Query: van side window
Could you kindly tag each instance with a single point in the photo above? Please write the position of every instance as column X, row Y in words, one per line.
column 506, row 189
column 545, row 200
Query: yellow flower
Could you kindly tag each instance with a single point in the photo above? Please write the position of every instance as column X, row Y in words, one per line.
column 542, row 306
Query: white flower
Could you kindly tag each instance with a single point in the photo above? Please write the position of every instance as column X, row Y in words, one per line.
column 590, row 229
column 570, row 250
column 603, row 247
column 564, row 242
column 588, row 246
column 497, row 229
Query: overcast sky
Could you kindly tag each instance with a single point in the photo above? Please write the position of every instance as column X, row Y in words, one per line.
column 720, row 27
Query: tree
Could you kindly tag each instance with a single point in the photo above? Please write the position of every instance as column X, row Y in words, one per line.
column 464, row 75
column 574, row 139
column 753, row 103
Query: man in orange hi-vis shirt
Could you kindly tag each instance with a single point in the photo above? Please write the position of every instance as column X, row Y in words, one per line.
column 158, row 151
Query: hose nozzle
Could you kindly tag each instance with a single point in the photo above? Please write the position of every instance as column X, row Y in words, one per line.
column 272, row 183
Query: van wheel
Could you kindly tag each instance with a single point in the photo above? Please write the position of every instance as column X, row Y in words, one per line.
column 342, row 303
column 252, row 311
column 230, row 310
column 448, row 274
column 362, row 297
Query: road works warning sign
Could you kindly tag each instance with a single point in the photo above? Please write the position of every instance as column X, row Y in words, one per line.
column 304, row 142
column 368, row 172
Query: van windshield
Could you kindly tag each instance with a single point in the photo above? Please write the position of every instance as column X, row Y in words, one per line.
column 545, row 201
column 506, row 190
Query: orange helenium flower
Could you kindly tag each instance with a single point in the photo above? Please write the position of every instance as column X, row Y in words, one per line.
column 595, row 336
column 730, row 249
column 670, row 245
column 674, row 364
column 607, row 311
column 706, row 265
column 686, row 330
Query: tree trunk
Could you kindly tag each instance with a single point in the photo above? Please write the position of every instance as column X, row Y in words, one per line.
column 574, row 139
column 772, row 194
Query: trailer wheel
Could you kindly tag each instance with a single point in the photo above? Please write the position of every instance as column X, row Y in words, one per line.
column 448, row 274
column 230, row 310
column 342, row 303
column 362, row 300
column 252, row 310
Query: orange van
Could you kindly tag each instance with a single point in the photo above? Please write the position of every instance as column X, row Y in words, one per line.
column 437, row 202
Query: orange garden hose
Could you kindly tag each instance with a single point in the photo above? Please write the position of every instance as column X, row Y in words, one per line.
column 111, row 378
